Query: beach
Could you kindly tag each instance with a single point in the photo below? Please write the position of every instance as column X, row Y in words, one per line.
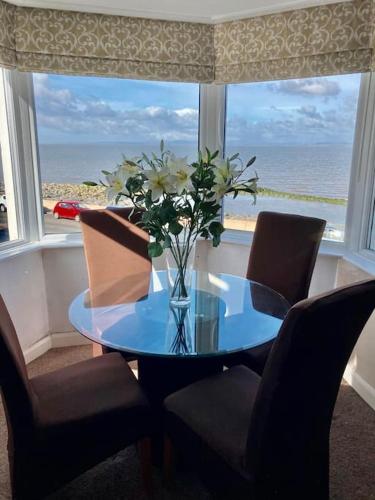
column 239, row 214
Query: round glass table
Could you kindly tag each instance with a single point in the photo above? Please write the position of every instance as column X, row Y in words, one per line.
column 176, row 346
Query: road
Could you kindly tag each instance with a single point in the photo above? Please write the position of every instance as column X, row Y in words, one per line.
column 51, row 226
column 62, row 226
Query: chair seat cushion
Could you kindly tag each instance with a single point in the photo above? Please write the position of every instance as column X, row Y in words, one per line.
column 99, row 396
column 254, row 358
column 218, row 411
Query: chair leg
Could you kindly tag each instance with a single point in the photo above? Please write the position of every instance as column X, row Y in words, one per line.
column 168, row 462
column 97, row 350
column 144, row 449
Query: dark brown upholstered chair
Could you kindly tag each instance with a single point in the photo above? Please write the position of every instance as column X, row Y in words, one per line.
column 268, row 438
column 65, row 422
column 117, row 260
column 282, row 256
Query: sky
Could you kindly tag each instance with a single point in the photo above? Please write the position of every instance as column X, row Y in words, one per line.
column 72, row 109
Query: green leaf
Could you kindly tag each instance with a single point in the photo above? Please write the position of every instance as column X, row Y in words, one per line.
column 175, row 228
column 167, row 241
column 154, row 249
column 214, row 155
column 90, row 183
column 161, row 146
column 105, row 172
column 204, row 233
column 216, row 228
column 234, row 157
column 216, row 241
column 167, row 212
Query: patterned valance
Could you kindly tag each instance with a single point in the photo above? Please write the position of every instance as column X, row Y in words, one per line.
column 7, row 36
column 93, row 44
column 324, row 40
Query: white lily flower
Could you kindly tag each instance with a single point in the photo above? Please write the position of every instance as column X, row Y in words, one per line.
column 219, row 189
column 181, row 173
column 129, row 170
column 116, row 184
column 225, row 172
column 159, row 182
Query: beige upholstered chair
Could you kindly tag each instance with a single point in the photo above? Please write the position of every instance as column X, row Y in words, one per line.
column 118, row 264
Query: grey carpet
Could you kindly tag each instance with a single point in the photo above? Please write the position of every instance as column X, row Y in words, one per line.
column 352, row 453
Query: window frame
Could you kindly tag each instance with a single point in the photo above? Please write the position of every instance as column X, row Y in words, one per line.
column 362, row 183
column 212, row 118
column 330, row 247
column 15, row 161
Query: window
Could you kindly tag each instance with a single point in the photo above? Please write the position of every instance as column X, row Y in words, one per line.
column 85, row 124
column 302, row 133
column 9, row 219
column 4, row 226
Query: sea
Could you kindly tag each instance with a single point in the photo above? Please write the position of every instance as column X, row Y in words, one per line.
column 320, row 169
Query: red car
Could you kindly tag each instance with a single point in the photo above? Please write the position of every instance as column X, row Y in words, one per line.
column 68, row 209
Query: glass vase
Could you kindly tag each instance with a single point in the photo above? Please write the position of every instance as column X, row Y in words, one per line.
column 180, row 262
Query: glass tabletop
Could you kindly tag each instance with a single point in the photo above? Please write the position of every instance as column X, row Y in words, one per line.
column 227, row 314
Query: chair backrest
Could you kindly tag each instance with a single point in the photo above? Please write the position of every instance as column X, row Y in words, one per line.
column 283, row 253
column 288, row 441
column 116, row 255
column 15, row 386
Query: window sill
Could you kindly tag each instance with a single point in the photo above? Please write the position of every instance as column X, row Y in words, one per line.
column 231, row 236
column 18, row 248
column 363, row 260
column 234, row 236
column 73, row 240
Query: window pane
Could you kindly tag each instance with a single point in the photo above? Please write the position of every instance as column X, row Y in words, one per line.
column 9, row 230
column 86, row 124
column 301, row 132
column 371, row 234
column 4, row 230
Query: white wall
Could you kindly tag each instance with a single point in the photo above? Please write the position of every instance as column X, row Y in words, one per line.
column 66, row 277
column 360, row 372
column 22, row 286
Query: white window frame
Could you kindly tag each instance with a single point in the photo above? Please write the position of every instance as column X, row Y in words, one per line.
column 18, row 166
column 328, row 247
column 212, row 118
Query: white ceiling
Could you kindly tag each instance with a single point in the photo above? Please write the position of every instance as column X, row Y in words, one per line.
column 208, row 11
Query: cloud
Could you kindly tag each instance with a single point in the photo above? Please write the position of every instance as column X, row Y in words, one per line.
column 90, row 118
column 309, row 112
column 302, row 125
column 309, row 87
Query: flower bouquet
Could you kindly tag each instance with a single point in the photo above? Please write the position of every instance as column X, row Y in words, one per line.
column 181, row 202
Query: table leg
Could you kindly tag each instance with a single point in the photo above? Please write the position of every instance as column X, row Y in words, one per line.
column 160, row 377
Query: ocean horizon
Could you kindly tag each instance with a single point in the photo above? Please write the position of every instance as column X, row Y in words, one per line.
column 320, row 169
